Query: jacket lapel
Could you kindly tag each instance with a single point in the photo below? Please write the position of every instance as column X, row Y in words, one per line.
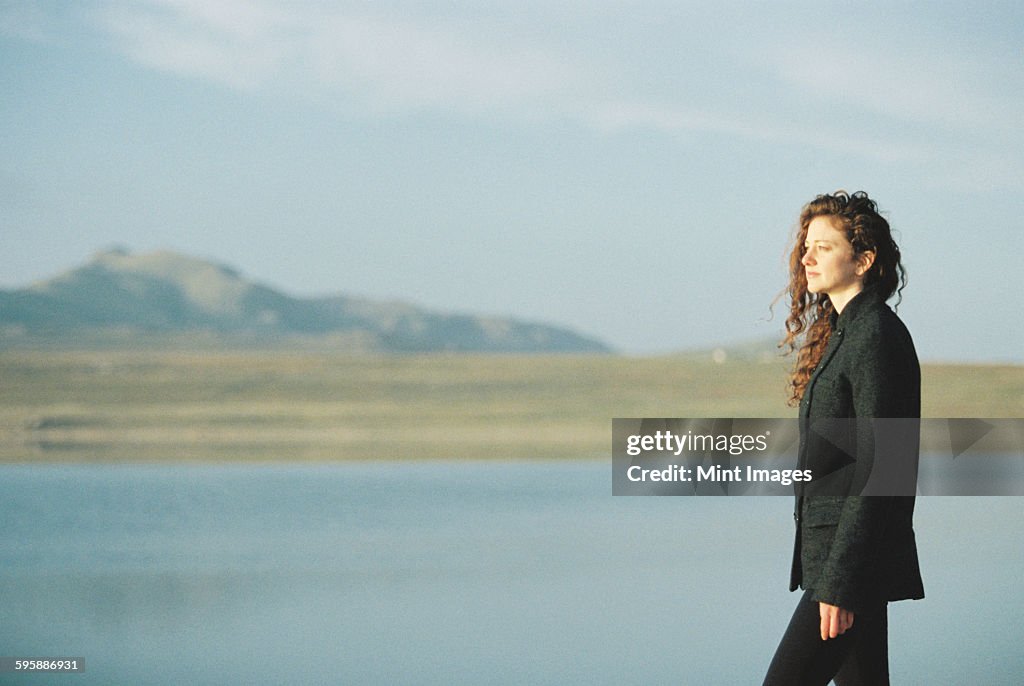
column 830, row 350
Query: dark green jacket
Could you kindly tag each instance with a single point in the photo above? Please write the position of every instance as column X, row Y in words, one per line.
column 856, row 551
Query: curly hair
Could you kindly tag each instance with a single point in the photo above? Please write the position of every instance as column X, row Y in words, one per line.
column 808, row 325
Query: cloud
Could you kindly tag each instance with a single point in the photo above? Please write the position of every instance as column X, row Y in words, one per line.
column 240, row 46
column 26, row 22
column 393, row 63
column 916, row 82
column 384, row 62
column 881, row 102
column 404, row 63
column 682, row 121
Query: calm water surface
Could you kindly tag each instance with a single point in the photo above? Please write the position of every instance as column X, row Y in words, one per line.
column 451, row 573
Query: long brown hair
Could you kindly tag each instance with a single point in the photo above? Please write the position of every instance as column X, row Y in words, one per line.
column 807, row 326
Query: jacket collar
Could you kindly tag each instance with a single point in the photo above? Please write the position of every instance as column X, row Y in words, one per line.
column 864, row 300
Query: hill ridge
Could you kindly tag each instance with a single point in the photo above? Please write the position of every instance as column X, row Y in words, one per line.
column 121, row 294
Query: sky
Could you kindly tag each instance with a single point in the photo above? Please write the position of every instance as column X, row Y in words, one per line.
column 632, row 170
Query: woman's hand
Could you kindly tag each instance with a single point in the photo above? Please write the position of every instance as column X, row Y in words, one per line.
column 834, row 620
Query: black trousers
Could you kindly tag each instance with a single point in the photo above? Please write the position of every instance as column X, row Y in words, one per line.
column 859, row 657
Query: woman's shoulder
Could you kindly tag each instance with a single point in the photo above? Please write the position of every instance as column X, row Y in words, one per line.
column 879, row 335
column 877, row 321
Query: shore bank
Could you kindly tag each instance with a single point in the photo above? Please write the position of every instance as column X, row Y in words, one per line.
column 256, row 406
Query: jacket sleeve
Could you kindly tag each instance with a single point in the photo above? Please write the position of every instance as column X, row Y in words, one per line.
column 885, row 383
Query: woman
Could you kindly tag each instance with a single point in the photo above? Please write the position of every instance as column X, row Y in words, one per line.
column 854, row 553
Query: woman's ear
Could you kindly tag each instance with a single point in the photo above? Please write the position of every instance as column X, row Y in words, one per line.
column 864, row 262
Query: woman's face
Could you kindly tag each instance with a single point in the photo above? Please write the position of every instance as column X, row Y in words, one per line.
column 829, row 261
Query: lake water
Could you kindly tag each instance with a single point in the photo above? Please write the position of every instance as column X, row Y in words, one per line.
column 452, row 573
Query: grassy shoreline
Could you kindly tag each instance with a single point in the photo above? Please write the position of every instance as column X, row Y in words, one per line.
column 250, row 405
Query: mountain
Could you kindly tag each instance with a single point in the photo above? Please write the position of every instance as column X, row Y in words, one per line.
column 120, row 296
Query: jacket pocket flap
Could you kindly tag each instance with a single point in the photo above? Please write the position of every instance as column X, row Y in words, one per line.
column 823, row 510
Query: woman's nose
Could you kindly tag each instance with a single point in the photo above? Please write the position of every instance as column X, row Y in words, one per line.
column 807, row 259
